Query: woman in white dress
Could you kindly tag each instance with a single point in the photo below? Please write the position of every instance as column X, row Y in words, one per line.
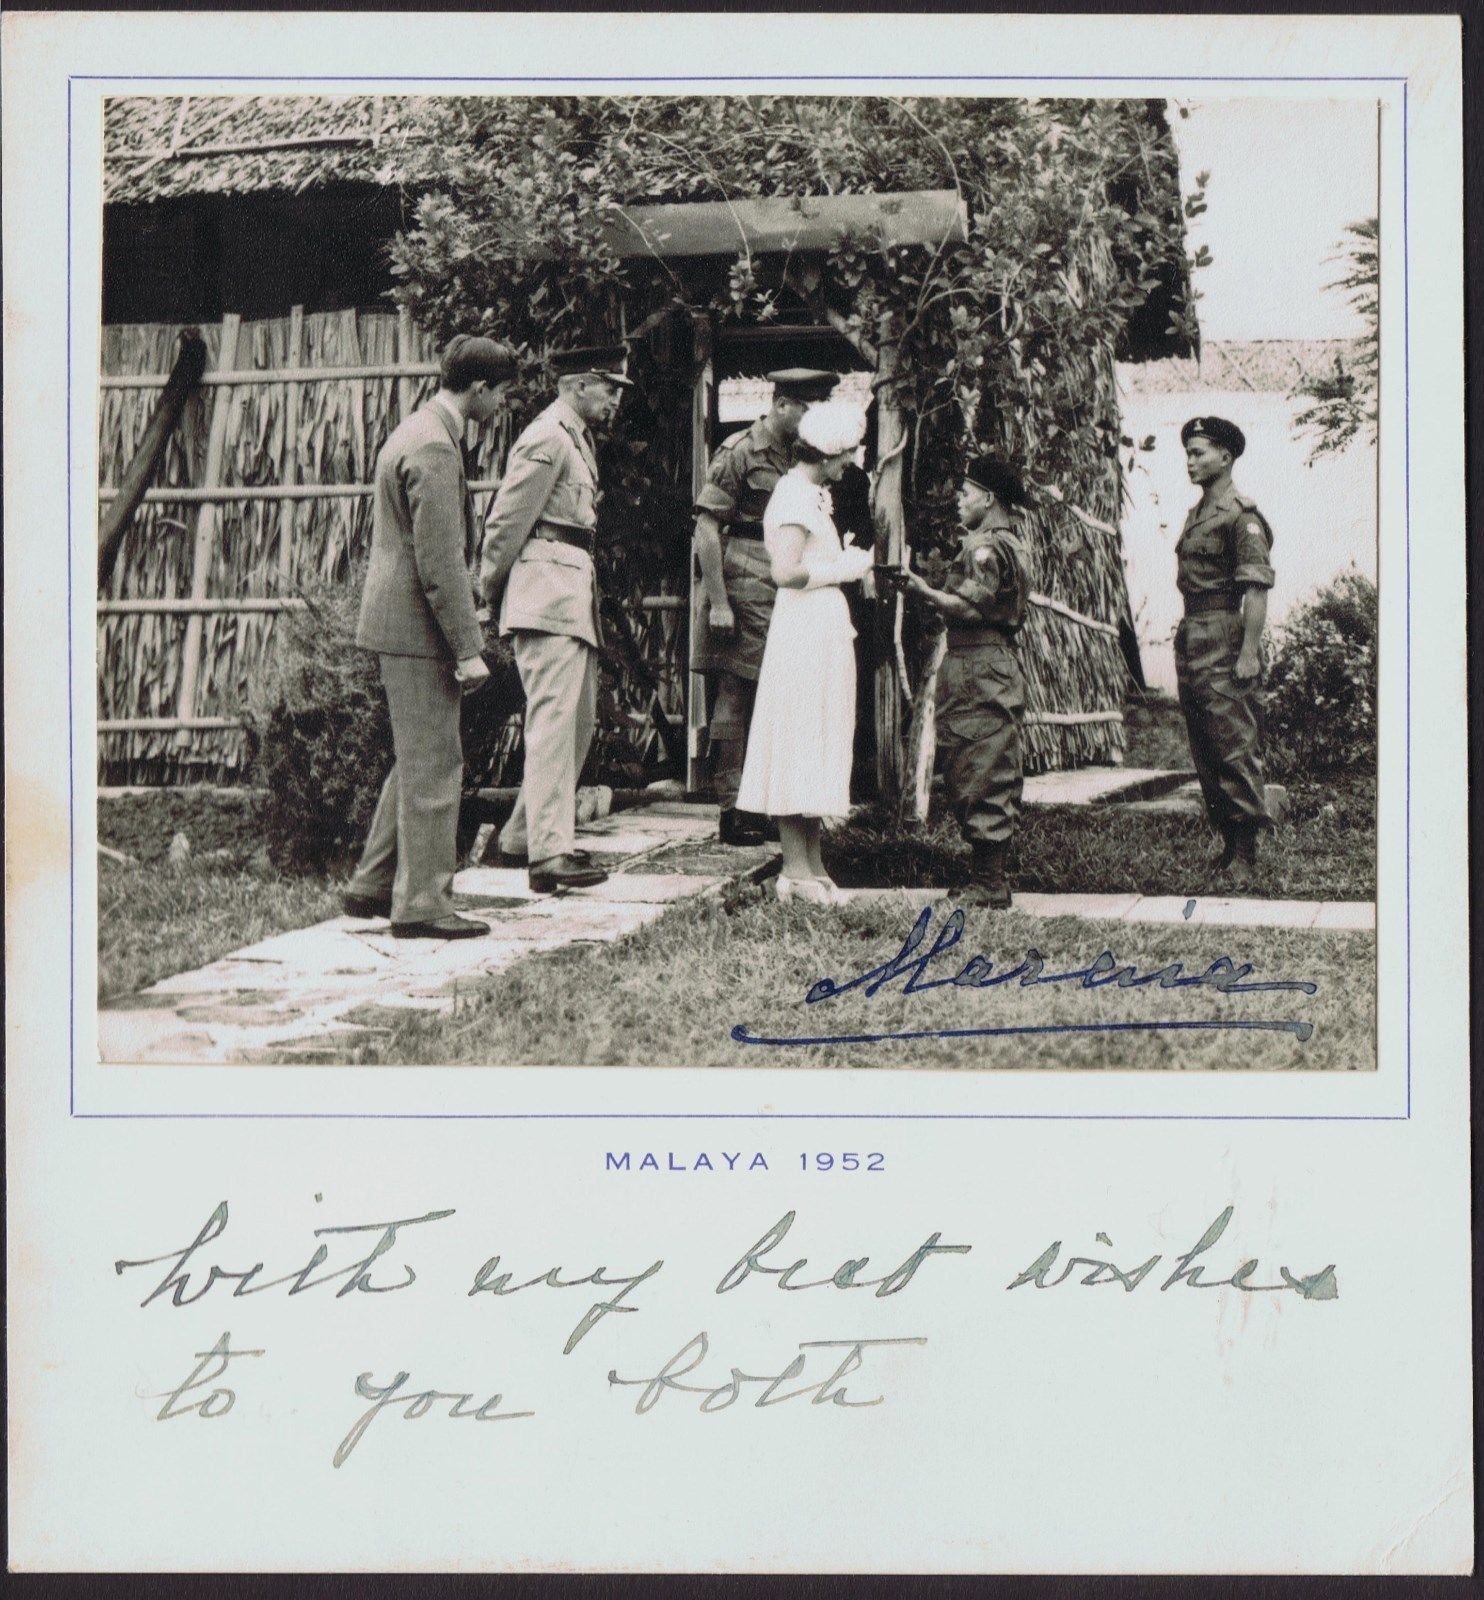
column 803, row 722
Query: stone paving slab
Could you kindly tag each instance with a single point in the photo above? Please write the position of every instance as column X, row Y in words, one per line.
column 314, row 994
column 1086, row 786
column 1336, row 916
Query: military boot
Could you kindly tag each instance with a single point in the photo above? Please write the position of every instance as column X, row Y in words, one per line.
column 1244, row 854
column 1221, row 857
column 987, row 882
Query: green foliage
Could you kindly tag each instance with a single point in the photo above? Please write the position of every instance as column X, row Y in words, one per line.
column 1005, row 340
column 1345, row 399
column 318, row 734
column 1320, row 708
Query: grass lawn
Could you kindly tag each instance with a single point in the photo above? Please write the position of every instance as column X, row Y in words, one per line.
column 670, row 994
column 1325, row 850
column 157, row 919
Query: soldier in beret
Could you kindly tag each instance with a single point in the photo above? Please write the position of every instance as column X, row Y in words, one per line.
column 1224, row 572
column 737, row 575
column 981, row 693
column 538, row 563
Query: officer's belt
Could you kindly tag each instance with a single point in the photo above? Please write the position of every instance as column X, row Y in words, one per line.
column 963, row 638
column 581, row 538
column 745, row 530
column 1200, row 605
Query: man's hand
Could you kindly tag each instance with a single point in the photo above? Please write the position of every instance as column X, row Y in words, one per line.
column 471, row 673
column 1248, row 665
column 722, row 619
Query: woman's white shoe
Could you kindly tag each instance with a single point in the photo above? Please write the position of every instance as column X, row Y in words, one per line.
column 834, row 895
column 810, row 890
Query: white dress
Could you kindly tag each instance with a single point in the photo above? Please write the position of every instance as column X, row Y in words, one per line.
column 800, row 743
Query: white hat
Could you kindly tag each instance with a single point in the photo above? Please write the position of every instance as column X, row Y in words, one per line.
column 832, row 427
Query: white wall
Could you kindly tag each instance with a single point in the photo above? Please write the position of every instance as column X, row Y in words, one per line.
column 1323, row 517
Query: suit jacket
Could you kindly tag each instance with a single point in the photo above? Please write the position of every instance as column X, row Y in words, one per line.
column 551, row 477
column 418, row 599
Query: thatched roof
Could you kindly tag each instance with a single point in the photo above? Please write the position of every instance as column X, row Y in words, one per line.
column 252, row 144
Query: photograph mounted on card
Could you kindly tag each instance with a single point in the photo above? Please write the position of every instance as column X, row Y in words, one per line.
column 738, row 579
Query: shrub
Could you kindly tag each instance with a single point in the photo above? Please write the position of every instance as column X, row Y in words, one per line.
column 1320, row 709
column 320, row 737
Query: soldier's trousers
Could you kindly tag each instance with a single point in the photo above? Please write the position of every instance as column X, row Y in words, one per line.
column 560, row 677
column 731, row 717
column 1221, row 719
column 412, row 846
column 980, row 713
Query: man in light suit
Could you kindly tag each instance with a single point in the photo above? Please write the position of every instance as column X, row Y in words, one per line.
column 417, row 613
column 539, row 548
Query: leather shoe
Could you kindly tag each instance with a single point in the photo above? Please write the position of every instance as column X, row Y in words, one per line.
column 366, row 905
column 510, row 858
column 565, row 872
column 739, row 828
column 452, row 926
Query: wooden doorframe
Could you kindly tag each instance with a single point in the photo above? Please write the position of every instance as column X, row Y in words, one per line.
column 703, row 405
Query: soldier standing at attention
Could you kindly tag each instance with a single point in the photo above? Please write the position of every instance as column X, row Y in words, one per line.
column 539, row 547
column 981, row 693
column 1224, row 573
column 738, row 576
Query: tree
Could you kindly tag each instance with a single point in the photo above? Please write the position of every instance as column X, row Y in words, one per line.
column 1345, row 399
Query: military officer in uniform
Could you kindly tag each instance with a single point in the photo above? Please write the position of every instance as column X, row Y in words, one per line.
column 737, row 575
column 1224, row 573
column 981, row 693
column 537, row 563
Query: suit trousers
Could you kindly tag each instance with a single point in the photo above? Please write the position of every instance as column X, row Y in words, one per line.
column 560, row 677
column 412, row 847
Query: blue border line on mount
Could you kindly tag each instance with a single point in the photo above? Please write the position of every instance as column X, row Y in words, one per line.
column 738, row 1116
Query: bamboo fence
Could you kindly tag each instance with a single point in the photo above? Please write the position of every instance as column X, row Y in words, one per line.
column 265, row 487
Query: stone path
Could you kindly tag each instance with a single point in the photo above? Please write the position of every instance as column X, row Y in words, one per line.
column 1333, row 916
column 313, row 994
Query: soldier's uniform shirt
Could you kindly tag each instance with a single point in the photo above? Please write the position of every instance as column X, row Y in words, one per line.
column 1225, row 547
column 739, row 483
column 540, row 532
column 981, row 692
column 538, row 547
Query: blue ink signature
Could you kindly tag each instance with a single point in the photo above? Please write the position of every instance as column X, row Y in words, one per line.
column 912, row 961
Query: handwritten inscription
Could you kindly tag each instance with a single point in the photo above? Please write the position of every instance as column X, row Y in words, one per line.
column 719, row 1396
column 911, row 963
column 821, row 1371
column 1319, row 1285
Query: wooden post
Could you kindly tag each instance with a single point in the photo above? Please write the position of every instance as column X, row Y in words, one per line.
column 891, row 536
column 406, row 338
column 118, row 513
column 207, row 521
column 922, row 738
column 288, row 517
column 696, row 720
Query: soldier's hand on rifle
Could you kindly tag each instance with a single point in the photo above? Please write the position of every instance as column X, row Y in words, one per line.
column 722, row 619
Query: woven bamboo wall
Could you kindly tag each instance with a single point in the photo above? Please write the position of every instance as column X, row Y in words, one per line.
column 257, row 549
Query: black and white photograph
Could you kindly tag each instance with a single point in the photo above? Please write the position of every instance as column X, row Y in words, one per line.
column 738, row 579
column 740, row 740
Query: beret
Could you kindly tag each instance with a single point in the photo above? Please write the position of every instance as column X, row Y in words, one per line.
column 598, row 360
column 833, row 427
column 803, row 383
column 1223, row 434
column 999, row 477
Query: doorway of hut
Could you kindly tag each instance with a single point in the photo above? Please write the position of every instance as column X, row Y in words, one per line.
column 731, row 392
